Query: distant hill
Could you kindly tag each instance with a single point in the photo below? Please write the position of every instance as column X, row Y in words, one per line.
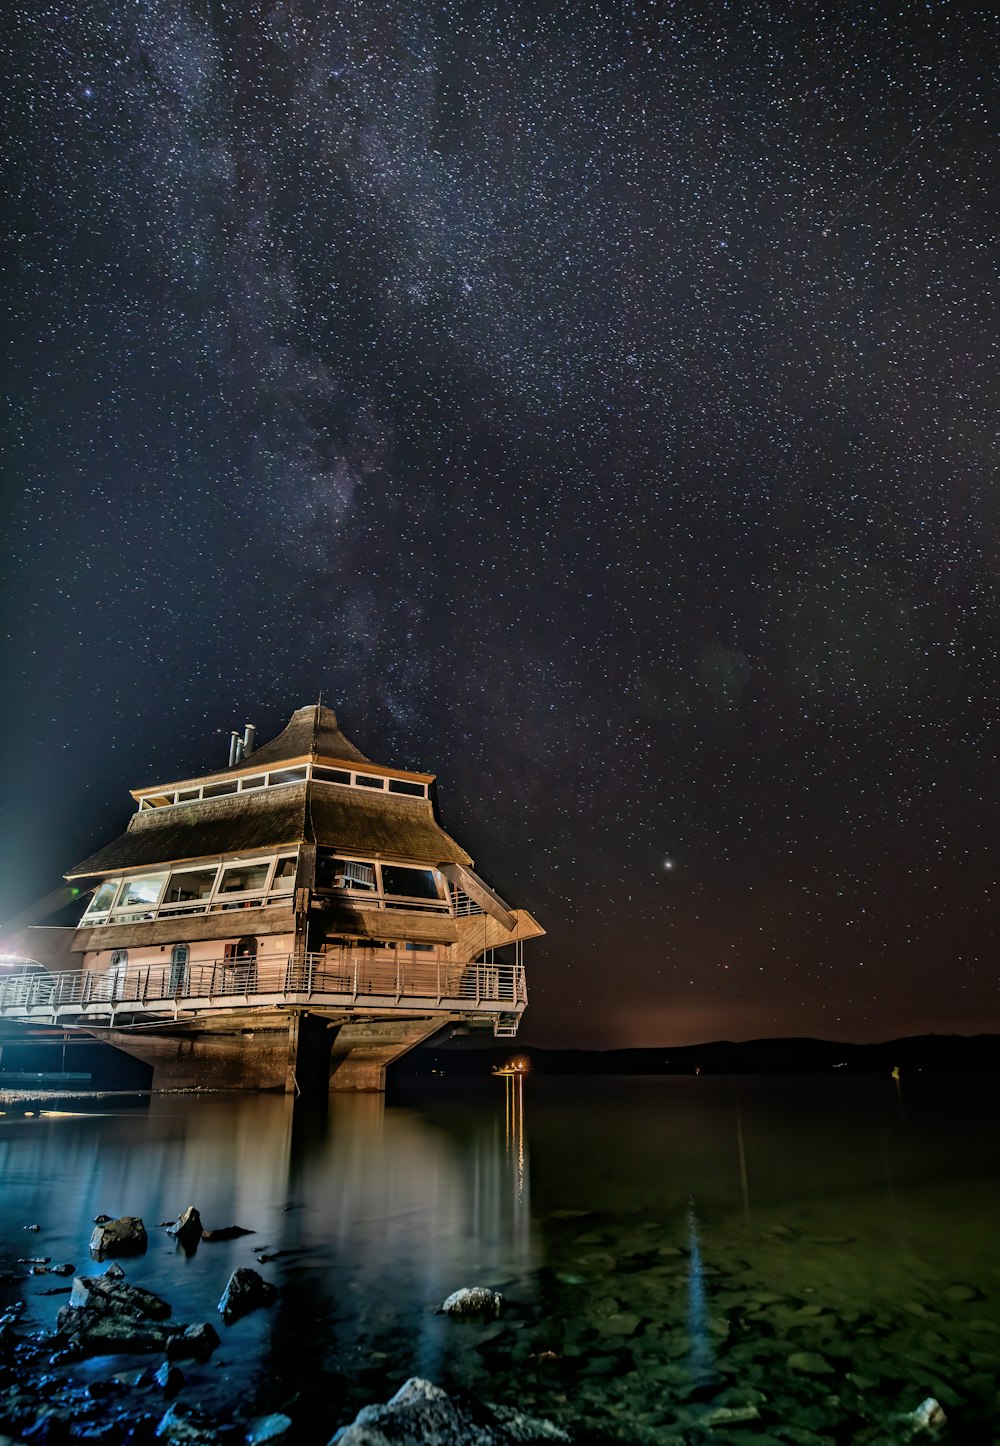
column 951, row 1052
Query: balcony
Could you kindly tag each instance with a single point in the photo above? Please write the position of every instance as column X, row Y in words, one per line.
column 379, row 981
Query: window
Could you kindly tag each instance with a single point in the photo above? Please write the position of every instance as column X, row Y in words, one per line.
column 284, row 875
column 364, row 781
column 331, row 775
column 190, row 885
column 286, row 775
column 187, row 795
column 179, row 956
column 258, row 781
column 244, row 878
column 103, row 898
column 215, row 790
column 403, row 785
column 143, row 890
column 337, row 873
column 410, row 883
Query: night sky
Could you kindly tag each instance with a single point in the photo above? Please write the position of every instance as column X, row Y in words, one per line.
column 598, row 403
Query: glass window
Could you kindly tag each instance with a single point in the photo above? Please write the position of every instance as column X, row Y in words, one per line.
column 187, row 795
column 286, row 775
column 410, row 883
column 103, row 898
column 331, row 775
column 215, row 790
column 189, row 884
column 364, row 781
column 284, row 874
column 257, row 781
column 143, row 890
column 403, row 785
column 243, row 878
column 337, row 873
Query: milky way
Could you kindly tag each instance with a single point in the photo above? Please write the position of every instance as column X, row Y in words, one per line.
column 598, row 404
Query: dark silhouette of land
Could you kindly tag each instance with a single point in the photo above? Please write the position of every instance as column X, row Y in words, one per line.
column 950, row 1052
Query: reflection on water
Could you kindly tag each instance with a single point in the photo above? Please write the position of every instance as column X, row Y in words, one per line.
column 818, row 1255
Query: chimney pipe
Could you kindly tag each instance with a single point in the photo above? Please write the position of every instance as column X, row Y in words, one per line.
column 249, row 734
column 235, row 748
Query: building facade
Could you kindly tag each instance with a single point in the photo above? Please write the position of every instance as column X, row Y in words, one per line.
column 303, row 900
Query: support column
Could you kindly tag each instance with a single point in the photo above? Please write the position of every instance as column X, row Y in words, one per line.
column 362, row 1051
column 308, row 1069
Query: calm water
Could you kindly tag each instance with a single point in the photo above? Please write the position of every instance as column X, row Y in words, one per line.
column 823, row 1253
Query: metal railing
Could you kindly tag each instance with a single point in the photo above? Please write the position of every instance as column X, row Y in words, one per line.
column 373, row 978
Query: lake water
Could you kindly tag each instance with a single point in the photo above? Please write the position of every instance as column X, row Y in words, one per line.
column 813, row 1257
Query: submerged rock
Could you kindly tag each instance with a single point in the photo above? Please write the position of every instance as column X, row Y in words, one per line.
column 184, row 1423
column 928, row 1416
column 244, row 1292
column 187, row 1229
column 124, row 1236
column 421, row 1413
column 476, row 1300
column 195, row 1342
column 226, row 1232
column 269, row 1430
column 169, row 1379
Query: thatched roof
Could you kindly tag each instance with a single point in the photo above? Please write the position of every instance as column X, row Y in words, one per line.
column 355, row 820
column 311, row 732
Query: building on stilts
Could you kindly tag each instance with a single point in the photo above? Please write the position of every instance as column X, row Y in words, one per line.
column 296, row 916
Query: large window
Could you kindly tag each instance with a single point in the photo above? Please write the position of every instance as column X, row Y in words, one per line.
column 344, row 777
column 410, row 883
column 142, row 891
column 198, row 890
column 190, row 886
column 244, row 878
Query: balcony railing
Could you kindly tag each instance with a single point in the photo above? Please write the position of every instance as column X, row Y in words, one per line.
column 376, row 979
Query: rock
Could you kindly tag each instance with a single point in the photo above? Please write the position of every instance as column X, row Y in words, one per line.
column 115, row 1296
column 928, row 1416
column 421, row 1413
column 809, row 1363
column 65, row 1269
column 169, row 1379
column 244, row 1292
column 197, row 1342
column 476, row 1300
column 729, row 1416
column 184, row 1423
column 104, row 1314
column 959, row 1293
column 187, row 1228
column 226, row 1232
column 101, row 1219
column 31, row 1227
column 114, row 1272
column 268, row 1429
column 124, row 1236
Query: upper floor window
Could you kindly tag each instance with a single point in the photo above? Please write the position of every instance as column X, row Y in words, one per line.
column 317, row 772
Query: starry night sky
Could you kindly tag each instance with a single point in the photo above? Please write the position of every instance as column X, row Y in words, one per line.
column 598, row 403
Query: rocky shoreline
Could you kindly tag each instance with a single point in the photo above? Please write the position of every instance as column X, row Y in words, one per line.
column 108, row 1315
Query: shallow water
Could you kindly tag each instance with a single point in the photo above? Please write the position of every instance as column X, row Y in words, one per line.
column 815, row 1256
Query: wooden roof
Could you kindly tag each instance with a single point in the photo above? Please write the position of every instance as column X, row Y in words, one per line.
column 357, row 821
column 312, row 734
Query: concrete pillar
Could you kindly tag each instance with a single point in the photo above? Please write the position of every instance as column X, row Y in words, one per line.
column 361, row 1051
column 307, row 1070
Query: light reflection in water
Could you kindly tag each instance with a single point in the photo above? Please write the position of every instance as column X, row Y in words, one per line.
column 700, row 1353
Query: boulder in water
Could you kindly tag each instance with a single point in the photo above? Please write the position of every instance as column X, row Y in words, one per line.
column 421, row 1412
column 186, row 1229
column 244, row 1292
column 124, row 1236
column 473, row 1301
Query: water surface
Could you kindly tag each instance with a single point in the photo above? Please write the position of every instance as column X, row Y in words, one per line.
column 683, row 1259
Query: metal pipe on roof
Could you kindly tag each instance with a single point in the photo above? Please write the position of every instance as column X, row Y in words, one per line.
column 235, row 748
column 249, row 734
